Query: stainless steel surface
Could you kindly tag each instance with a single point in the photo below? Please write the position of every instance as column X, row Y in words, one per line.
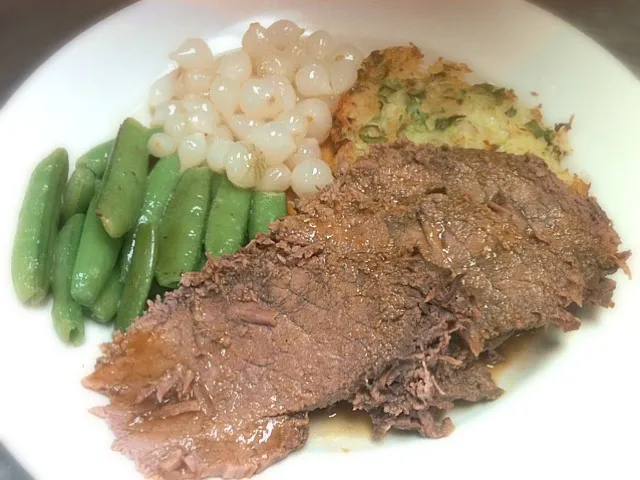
column 31, row 30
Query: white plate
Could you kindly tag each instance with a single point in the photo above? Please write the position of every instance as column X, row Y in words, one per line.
column 573, row 409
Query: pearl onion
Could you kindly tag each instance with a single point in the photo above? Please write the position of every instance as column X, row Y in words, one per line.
column 216, row 154
column 275, row 179
column 344, row 74
column 201, row 116
column 242, row 126
column 287, row 94
column 297, row 53
column 309, row 148
column 255, row 41
column 319, row 117
column 260, row 99
column 225, row 95
column 242, row 166
column 332, row 102
column 198, row 81
column 297, row 124
column 276, row 63
column 275, row 142
column 283, row 33
column 313, row 79
column 162, row 89
column 192, row 150
column 193, row 53
column 310, row 176
column 346, row 51
column 164, row 111
column 179, row 90
column 160, row 145
column 236, row 66
column 220, row 132
column 319, row 44
column 177, row 126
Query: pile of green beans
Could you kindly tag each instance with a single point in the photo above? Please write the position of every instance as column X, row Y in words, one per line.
column 123, row 228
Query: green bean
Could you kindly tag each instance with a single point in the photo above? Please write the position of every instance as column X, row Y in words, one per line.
column 182, row 229
column 78, row 192
column 68, row 319
column 32, row 254
column 97, row 255
column 216, row 181
column 122, row 192
column 97, row 158
column 140, row 276
column 227, row 225
column 161, row 184
column 266, row 207
column 106, row 306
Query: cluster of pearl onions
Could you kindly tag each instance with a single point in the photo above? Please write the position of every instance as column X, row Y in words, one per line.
column 259, row 113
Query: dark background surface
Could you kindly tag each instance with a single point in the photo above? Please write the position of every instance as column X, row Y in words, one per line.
column 31, row 30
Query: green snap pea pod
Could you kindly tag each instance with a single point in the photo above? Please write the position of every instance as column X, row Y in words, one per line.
column 266, row 207
column 161, row 184
column 140, row 277
column 97, row 158
column 68, row 319
column 228, row 219
column 124, row 181
column 32, row 254
column 78, row 192
column 97, row 255
column 216, row 181
column 106, row 306
column 182, row 229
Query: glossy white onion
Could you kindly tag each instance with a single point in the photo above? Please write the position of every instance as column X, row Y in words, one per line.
column 346, row 51
column 260, row 99
column 309, row 148
column 287, row 94
column 276, row 63
column 297, row 124
column 193, row 53
column 242, row 166
column 161, row 144
column 216, row 154
column 319, row 44
column 294, row 160
column 198, row 81
column 275, row 179
column 332, row 102
column 275, row 142
column 242, row 125
column 220, row 132
column 236, row 66
column 344, row 74
column 162, row 89
column 179, row 90
column 313, row 79
column 225, row 95
column 177, row 126
column 319, row 116
column 309, row 176
column 283, row 33
column 297, row 53
column 165, row 110
column 192, row 150
column 255, row 41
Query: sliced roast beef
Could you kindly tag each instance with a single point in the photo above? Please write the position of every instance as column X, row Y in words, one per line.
column 384, row 290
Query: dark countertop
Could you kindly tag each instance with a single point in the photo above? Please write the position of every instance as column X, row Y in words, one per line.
column 31, row 30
